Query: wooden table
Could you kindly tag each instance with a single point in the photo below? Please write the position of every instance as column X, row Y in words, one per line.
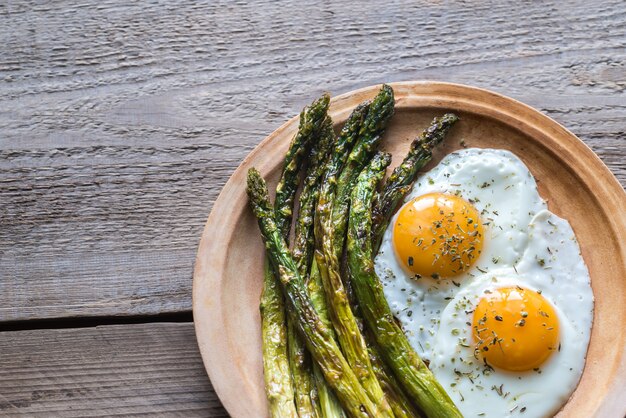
column 120, row 122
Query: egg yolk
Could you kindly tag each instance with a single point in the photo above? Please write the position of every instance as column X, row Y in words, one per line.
column 438, row 235
column 515, row 329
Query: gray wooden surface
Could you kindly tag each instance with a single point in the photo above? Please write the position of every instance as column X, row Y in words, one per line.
column 120, row 122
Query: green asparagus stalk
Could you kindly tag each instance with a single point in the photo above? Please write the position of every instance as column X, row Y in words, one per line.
column 370, row 135
column 343, row 145
column 347, row 138
column 311, row 122
column 332, row 214
column 276, row 364
column 301, row 372
column 329, row 404
column 399, row 402
column 305, row 385
column 303, row 250
column 403, row 176
column 414, row 376
column 304, row 241
column 317, row 336
column 278, row 382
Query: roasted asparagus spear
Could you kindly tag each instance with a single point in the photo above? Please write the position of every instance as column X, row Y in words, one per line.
column 369, row 137
column 311, row 122
column 414, row 376
column 397, row 398
column 329, row 404
column 278, row 380
column 305, row 385
column 332, row 214
column 304, row 242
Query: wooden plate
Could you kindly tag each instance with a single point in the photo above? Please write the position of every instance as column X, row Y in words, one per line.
column 577, row 185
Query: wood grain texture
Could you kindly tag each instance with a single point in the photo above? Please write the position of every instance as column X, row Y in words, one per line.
column 120, row 122
column 142, row 369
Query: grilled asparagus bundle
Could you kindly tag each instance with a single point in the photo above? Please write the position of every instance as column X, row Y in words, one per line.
column 319, row 361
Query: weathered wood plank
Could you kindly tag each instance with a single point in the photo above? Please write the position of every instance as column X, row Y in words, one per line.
column 120, row 122
column 142, row 369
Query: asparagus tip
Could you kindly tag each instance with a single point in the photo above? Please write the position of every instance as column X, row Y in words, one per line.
column 254, row 178
column 451, row 117
column 257, row 188
column 437, row 131
column 381, row 160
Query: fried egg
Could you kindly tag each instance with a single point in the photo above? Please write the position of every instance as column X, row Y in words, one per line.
column 489, row 286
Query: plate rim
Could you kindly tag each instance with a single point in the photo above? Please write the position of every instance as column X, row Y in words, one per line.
column 516, row 114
